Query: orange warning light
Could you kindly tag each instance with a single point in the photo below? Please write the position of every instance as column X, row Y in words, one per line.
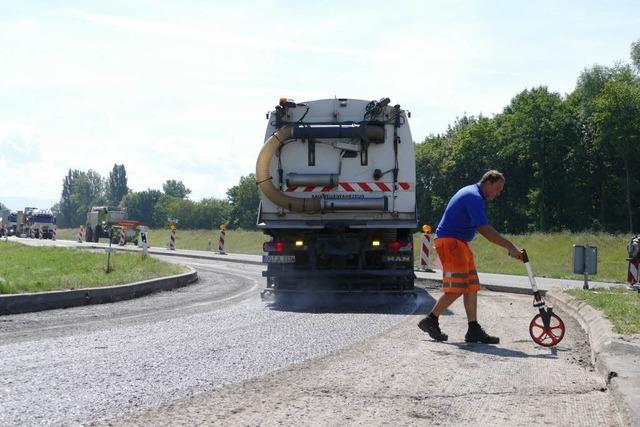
column 426, row 228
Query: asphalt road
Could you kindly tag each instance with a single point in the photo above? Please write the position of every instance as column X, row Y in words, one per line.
column 214, row 352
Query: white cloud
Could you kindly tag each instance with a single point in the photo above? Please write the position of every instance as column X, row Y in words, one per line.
column 180, row 92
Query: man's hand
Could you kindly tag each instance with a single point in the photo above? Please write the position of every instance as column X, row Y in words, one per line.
column 514, row 252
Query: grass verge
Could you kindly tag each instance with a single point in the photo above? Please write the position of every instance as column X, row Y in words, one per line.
column 34, row 269
column 550, row 253
column 621, row 306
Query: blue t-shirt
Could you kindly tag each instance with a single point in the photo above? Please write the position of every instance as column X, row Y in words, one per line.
column 464, row 213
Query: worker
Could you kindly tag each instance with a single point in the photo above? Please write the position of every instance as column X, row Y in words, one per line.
column 464, row 215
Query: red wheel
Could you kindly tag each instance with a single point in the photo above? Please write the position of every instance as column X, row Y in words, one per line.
column 547, row 337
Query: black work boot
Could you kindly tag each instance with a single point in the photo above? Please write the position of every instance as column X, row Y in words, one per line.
column 477, row 334
column 431, row 326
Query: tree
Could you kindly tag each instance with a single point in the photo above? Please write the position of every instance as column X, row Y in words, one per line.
column 2, row 206
column 67, row 210
column 244, row 200
column 175, row 188
column 536, row 131
column 635, row 54
column 140, row 205
column 617, row 123
column 117, row 185
column 80, row 191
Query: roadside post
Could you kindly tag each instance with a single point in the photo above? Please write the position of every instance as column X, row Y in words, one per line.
column 109, row 250
column 633, row 276
column 80, row 233
column 122, row 236
column 54, row 230
column 221, row 243
column 173, row 222
column 424, row 252
column 585, row 261
column 143, row 241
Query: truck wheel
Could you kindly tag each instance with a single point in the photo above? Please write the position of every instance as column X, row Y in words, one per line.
column 96, row 234
column 89, row 234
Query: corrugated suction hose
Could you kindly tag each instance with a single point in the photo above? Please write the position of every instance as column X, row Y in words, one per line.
column 298, row 204
column 265, row 181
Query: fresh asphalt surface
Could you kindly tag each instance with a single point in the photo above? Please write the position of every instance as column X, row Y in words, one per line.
column 214, row 352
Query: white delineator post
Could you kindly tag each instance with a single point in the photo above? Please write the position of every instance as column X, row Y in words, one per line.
column 53, row 233
column 142, row 240
column 80, row 234
column 221, row 243
column 122, row 237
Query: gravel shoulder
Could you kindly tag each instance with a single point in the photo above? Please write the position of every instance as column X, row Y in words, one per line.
column 401, row 377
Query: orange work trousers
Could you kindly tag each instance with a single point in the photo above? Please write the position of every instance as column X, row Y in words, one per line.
column 459, row 274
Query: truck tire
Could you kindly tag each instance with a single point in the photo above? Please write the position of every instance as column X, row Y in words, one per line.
column 96, row 234
column 89, row 234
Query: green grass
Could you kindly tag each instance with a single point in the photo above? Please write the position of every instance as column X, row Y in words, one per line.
column 621, row 306
column 550, row 253
column 35, row 269
column 236, row 241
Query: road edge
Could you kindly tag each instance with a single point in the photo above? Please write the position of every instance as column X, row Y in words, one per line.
column 618, row 361
column 51, row 300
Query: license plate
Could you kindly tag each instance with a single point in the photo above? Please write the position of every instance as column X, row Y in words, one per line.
column 278, row 259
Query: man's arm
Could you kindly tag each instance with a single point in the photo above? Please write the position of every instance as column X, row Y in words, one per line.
column 493, row 236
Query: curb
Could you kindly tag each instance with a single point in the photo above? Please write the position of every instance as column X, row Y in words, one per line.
column 618, row 361
column 30, row 302
column 212, row 256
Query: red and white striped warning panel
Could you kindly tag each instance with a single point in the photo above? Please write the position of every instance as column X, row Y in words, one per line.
column 350, row 187
column 633, row 272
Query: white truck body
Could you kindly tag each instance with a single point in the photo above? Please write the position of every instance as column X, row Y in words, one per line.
column 356, row 159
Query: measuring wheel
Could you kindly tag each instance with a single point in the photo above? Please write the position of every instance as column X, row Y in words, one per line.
column 546, row 328
column 546, row 336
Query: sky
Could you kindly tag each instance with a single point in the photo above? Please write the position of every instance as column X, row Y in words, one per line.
column 179, row 90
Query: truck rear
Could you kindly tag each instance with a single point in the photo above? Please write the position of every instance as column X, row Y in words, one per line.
column 337, row 197
column 100, row 219
column 43, row 221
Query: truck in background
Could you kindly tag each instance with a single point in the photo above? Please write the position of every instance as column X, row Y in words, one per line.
column 4, row 221
column 43, row 221
column 337, row 197
column 19, row 222
column 100, row 219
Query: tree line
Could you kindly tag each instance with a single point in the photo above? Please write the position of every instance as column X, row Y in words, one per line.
column 82, row 190
column 570, row 161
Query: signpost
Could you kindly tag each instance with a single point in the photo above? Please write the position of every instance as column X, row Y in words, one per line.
column 585, row 261
column 109, row 250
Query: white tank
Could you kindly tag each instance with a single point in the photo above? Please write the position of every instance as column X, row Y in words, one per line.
column 345, row 153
